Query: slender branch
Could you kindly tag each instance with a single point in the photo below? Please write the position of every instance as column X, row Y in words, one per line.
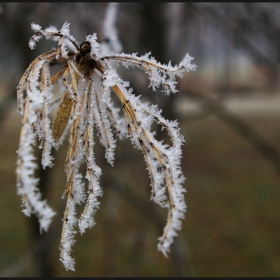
column 240, row 126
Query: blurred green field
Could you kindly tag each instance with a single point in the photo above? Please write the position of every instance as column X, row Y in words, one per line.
column 231, row 227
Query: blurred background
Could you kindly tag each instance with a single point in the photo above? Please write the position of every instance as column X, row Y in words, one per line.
column 228, row 110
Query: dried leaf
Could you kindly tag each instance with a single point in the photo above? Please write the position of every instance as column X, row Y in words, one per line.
column 62, row 116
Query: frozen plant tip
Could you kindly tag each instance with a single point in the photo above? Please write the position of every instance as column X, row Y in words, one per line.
column 86, row 80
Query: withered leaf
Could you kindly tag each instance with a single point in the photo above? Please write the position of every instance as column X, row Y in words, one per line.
column 62, row 116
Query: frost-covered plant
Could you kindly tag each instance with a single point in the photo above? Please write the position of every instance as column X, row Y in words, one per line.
column 87, row 79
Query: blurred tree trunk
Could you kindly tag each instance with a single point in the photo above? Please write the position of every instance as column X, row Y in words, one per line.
column 154, row 33
column 43, row 241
